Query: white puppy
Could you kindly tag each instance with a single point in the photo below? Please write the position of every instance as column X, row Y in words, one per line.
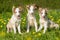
column 30, row 17
column 14, row 22
column 44, row 21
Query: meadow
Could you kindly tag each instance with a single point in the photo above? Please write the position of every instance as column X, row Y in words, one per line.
column 51, row 34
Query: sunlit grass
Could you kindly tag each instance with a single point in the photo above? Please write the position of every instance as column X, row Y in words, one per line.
column 51, row 34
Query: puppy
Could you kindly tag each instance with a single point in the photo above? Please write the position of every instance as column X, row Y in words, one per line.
column 14, row 22
column 44, row 21
column 30, row 17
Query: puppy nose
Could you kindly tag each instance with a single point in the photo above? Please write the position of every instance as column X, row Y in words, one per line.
column 18, row 15
column 31, row 13
column 43, row 16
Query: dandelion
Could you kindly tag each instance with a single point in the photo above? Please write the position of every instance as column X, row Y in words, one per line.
column 29, row 38
column 36, row 35
column 52, row 19
column 5, row 20
column 39, row 34
column 4, row 23
column 2, row 34
column 33, row 32
column 58, row 21
column 22, row 22
column 21, row 18
column 8, row 19
column 24, row 19
column 0, row 19
column 51, row 16
column 57, row 38
column 1, row 26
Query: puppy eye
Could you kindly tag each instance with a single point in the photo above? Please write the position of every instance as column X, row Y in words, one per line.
column 41, row 13
column 46, row 13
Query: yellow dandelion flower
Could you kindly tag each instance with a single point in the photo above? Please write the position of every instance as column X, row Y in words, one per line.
column 33, row 32
column 52, row 19
column 1, row 26
column 36, row 35
column 2, row 34
column 51, row 16
column 0, row 19
column 57, row 38
column 24, row 19
column 58, row 21
column 39, row 34
column 8, row 19
column 23, row 22
column 4, row 23
column 29, row 38
column 21, row 18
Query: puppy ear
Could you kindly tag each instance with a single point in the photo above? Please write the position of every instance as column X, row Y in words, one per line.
column 20, row 8
column 13, row 9
column 46, row 9
column 35, row 6
column 40, row 9
column 27, row 6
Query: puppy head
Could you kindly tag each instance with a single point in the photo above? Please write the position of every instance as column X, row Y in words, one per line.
column 43, row 12
column 17, row 10
column 28, row 7
column 31, row 8
column 35, row 6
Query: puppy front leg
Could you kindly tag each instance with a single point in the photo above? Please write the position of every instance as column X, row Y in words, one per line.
column 27, row 27
column 45, row 28
column 14, row 28
column 41, row 26
column 7, row 30
column 19, row 29
column 35, row 23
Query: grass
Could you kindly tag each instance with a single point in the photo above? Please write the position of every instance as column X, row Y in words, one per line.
column 51, row 34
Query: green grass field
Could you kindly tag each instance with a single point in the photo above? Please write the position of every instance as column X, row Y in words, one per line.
column 51, row 34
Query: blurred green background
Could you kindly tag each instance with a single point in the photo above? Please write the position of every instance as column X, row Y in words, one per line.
column 6, row 13
column 6, row 5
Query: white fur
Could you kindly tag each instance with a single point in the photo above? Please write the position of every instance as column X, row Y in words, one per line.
column 43, row 12
column 45, row 22
column 17, row 11
column 14, row 22
column 31, row 18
